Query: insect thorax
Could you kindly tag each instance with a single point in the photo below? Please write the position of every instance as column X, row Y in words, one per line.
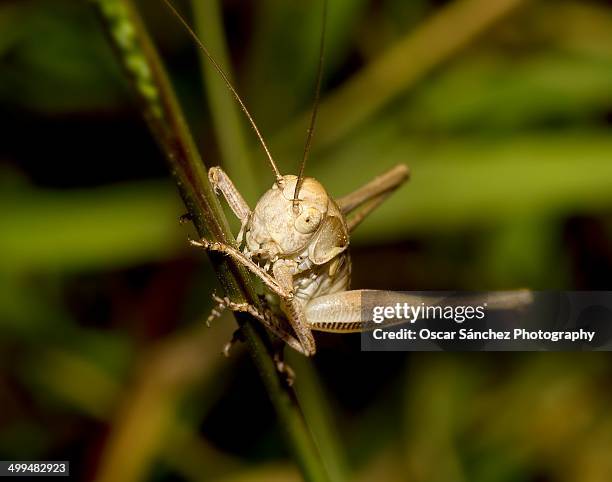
column 326, row 279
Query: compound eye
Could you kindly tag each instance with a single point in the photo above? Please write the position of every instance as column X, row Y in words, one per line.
column 308, row 221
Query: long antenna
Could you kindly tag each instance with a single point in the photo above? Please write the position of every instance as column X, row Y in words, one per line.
column 315, row 109
column 229, row 85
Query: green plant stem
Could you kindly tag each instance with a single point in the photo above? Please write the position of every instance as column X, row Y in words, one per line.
column 319, row 416
column 165, row 119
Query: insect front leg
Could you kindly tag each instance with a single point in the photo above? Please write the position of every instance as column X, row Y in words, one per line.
column 267, row 318
column 305, row 341
column 269, row 281
column 293, row 308
column 222, row 183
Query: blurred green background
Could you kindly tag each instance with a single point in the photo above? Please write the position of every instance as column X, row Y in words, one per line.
column 501, row 108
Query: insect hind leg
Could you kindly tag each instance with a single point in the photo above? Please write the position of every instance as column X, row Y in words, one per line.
column 267, row 318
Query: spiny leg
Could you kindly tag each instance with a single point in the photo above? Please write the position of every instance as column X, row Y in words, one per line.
column 267, row 318
column 217, row 310
column 220, row 305
column 269, row 281
column 293, row 309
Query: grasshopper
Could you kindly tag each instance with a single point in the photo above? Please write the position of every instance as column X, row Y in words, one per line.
column 301, row 236
column 296, row 239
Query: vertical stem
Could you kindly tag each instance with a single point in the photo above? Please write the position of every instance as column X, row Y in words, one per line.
column 319, row 417
column 149, row 81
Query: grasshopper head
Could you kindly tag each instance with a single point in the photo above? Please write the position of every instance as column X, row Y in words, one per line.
column 315, row 225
